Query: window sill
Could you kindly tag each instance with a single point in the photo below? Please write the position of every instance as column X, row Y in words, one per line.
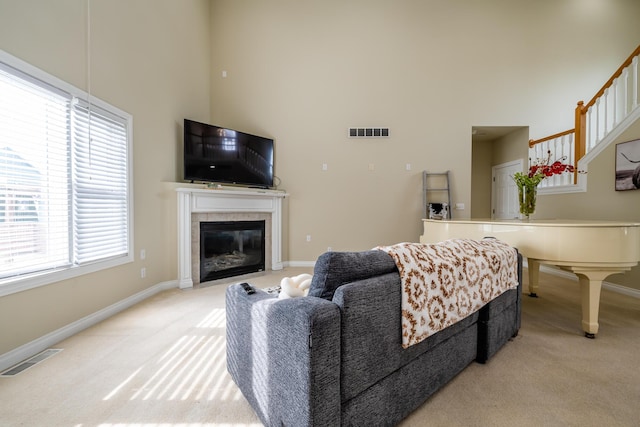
column 32, row 281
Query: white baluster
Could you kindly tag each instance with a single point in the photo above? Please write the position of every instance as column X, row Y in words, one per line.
column 614, row 105
column 566, row 156
column 554, row 157
column 572, row 153
column 634, row 65
column 625, row 92
column 589, row 131
column 605, row 116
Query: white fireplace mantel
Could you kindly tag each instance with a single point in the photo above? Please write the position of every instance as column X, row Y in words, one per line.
column 223, row 200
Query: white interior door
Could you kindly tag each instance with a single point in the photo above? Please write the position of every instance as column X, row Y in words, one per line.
column 504, row 193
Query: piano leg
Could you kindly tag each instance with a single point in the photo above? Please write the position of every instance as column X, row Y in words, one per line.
column 591, row 279
column 534, row 271
column 590, row 286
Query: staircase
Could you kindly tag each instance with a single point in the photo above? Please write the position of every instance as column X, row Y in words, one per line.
column 598, row 123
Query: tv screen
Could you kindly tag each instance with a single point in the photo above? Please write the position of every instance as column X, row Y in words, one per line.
column 216, row 154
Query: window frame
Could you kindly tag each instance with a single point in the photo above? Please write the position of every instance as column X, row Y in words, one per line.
column 33, row 280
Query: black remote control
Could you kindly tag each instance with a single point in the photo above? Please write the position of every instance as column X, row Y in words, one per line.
column 248, row 288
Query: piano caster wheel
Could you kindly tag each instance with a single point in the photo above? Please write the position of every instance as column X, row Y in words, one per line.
column 590, row 336
column 533, row 295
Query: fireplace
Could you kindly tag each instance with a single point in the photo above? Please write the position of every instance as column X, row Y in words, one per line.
column 196, row 205
column 231, row 248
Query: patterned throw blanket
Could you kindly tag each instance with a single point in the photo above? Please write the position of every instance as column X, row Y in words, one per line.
column 445, row 282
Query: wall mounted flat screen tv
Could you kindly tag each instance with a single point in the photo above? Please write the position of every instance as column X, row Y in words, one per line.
column 216, row 154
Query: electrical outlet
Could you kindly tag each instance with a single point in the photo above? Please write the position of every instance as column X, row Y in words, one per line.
column 143, row 273
column 308, row 237
column 329, row 249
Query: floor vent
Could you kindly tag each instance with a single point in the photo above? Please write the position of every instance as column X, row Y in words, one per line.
column 22, row 366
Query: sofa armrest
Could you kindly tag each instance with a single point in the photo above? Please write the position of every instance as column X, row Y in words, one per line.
column 284, row 355
column 500, row 320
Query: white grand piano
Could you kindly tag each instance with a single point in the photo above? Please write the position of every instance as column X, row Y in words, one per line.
column 592, row 250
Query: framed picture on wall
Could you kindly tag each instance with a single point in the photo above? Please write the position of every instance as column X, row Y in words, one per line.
column 628, row 165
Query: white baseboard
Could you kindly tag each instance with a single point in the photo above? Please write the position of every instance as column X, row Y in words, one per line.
column 635, row 293
column 299, row 263
column 34, row 347
column 625, row 290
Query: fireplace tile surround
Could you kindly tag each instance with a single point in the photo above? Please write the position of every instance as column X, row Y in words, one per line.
column 223, row 204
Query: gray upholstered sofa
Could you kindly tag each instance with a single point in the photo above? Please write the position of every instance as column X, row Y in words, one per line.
column 335, row 358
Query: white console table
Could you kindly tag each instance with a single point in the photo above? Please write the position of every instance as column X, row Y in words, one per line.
column 227, row 201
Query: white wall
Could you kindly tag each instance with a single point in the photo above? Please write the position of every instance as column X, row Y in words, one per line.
column 151, row 59
column 305, row 71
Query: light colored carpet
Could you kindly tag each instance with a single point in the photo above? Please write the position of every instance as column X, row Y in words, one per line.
column 162, row 363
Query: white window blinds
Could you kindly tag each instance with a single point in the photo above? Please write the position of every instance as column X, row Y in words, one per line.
column 34, row 175
column 99, row 183
column 64, row 181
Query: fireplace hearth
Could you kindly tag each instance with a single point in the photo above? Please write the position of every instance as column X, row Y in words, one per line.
column 231, row 248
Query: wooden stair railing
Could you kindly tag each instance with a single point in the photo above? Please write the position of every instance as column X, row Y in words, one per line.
column 617, row 98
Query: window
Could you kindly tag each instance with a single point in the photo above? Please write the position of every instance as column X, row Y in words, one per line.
column 64, row 180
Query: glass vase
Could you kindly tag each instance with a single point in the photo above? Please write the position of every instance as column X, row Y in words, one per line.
column 527, row 199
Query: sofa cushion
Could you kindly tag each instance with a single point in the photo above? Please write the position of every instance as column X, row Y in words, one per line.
column 334, row 269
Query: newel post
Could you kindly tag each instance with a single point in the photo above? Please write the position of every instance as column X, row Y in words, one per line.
column 580, row 136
